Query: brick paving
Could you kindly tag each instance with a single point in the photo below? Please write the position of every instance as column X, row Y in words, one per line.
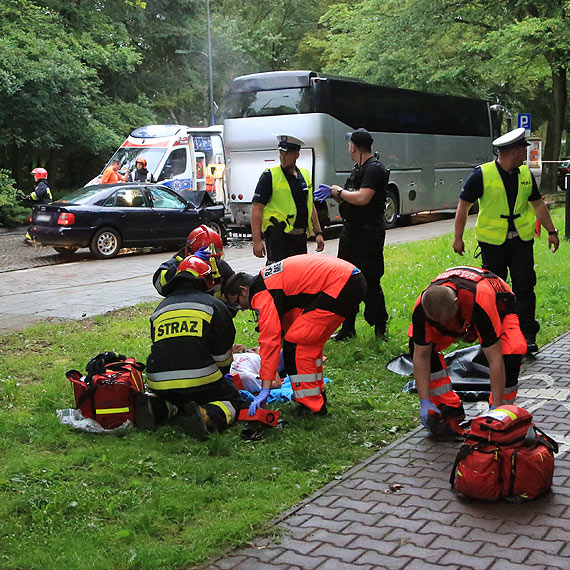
column 359, row 523
column 15, row 254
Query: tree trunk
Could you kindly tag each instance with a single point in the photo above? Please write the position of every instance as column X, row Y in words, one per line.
column 554, row 130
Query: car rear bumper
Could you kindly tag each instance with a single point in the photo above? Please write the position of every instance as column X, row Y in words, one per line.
column 61, row 235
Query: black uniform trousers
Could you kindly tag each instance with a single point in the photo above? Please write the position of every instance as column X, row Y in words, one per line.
column 516, row 257
column 363, row 246
column 220, row 390
column 280, row 245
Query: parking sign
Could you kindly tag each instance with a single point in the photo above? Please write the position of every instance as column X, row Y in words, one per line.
column 524, row 121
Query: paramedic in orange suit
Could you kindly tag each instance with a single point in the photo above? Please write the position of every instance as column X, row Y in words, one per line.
column 468, row 303
column 302, row 299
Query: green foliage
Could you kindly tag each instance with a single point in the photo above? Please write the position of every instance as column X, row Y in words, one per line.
column 161, row 500
column 11, row 212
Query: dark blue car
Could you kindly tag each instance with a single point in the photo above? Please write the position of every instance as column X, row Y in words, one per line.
column 108, row 217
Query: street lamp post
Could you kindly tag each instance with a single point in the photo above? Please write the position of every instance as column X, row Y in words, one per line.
column 208, row 56
column 210, row 72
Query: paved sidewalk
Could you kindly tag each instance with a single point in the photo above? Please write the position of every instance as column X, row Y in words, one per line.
column 363, row 523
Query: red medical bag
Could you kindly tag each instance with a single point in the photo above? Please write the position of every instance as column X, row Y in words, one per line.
column 504, row 455
column 107, row 393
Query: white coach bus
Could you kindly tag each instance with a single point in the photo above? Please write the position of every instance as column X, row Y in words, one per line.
column 429, row 142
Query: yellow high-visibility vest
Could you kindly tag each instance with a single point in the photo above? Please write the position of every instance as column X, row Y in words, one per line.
column 492, row 221
column 282, row 206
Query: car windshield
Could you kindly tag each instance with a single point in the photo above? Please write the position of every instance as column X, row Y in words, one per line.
column 128, row 156
column 81, row 196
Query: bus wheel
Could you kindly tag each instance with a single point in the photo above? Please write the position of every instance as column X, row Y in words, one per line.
column 391, row 209
column 220, row 229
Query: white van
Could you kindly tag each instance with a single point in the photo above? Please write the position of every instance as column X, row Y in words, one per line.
column 183, row 158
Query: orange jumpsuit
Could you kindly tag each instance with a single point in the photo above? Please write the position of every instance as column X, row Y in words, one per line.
column 306, row 297
column 486, row 313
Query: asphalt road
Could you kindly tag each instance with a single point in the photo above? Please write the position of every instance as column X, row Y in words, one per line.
column 37, row 284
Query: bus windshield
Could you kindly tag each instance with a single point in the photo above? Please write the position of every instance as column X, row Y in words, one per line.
column 266, row 103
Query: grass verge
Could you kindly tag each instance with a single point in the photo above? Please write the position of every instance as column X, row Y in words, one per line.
column 162, row 500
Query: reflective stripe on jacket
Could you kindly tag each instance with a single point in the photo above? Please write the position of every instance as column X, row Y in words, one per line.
column 192, row 335
column 282, row 205
column 493, row 219
column 283, row 290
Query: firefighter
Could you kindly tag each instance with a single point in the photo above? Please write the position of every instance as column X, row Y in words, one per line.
column 206, row 244
column 464, row 303
column 192, row 335
column 40, row 195
column 141, row 173
column 306, row 297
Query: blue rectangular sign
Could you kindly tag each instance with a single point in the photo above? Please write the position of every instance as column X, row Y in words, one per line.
column 524, row 121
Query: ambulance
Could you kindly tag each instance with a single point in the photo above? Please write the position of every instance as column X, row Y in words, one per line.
column 186, row 159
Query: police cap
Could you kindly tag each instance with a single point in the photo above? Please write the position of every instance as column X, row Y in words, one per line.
column 289, row 142
column 511, row 139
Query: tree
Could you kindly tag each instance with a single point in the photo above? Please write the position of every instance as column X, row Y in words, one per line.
column 57, row 84
column 510, row 50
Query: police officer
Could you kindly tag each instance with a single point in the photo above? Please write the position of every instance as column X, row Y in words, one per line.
column 192, row 335
column 509, row 201
column 283, row 213
column 362, row 202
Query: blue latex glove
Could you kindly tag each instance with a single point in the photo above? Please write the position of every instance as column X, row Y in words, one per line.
column 425, row 407
column 260, row 400
column 492, row 408
column 202, row 254
column 322, row 193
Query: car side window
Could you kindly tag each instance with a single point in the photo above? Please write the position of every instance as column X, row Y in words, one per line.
column 126, row 198
column 163, row 199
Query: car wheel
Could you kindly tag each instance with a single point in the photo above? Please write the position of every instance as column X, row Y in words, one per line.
column 65, row 250
column 391, row 209
column 105, row 244
column 219, row 228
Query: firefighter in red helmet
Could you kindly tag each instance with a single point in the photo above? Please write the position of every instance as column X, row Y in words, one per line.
column 40, row 195
column 192, row 337
column 204, row 243
column 141, row 174
column 464, row 303
column 302, row 300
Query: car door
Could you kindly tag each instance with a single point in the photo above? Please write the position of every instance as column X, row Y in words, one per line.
column 173, row 220
column 128, row 210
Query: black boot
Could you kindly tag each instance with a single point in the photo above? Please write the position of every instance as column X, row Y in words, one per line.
column 531, row 346
column 193, row 420
column 344, row 334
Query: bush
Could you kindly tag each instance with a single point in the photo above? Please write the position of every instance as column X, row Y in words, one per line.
column 11, row 212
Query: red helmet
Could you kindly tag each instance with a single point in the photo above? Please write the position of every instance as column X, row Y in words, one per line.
column 198, row 268
column 39, row 173
column 203, row 236
column 142, row 160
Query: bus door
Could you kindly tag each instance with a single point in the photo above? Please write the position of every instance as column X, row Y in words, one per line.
column 245, row 168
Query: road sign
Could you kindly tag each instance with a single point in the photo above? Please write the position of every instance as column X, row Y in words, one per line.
column 524, row 121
